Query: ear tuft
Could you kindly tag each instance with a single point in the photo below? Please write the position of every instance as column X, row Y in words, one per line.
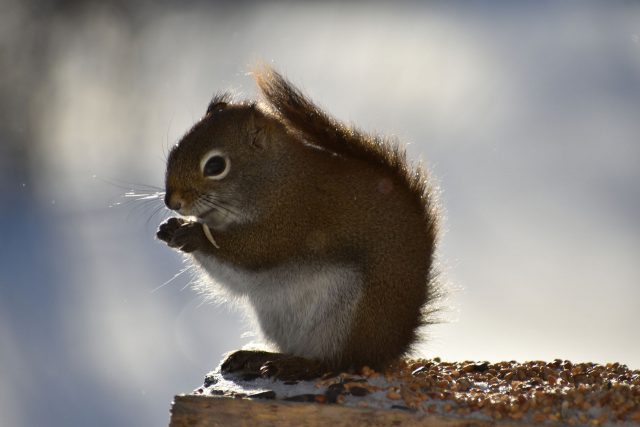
column 218, row 103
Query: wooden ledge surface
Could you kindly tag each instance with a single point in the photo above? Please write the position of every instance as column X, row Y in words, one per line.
column 209, row 411
column 423, row 392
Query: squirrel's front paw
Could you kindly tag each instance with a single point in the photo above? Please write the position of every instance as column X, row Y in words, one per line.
column 168, row 228
column 181, row 234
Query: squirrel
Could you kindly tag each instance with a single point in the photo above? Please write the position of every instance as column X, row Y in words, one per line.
column 327, row 232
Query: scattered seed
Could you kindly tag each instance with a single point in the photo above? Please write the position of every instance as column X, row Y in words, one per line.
column 532, row 392
column 393, row 395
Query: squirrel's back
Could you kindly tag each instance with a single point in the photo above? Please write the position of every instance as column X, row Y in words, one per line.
column 400, row 281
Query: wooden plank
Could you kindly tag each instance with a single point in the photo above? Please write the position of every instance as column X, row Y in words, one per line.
column 210, row 411
column 423, row 392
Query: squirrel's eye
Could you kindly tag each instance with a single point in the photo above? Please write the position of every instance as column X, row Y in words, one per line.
column 216, row 167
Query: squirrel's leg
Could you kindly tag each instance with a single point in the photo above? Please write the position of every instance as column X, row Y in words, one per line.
column 387, row 317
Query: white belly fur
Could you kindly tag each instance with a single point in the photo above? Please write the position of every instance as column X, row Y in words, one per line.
column 304, row 310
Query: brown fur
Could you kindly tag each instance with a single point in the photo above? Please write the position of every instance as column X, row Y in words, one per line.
column 325, row 193
column 384, row 272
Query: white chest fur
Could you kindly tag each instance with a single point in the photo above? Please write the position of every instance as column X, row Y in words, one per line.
column 306, row 310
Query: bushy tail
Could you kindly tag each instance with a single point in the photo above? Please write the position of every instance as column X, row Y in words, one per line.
column 303, row 117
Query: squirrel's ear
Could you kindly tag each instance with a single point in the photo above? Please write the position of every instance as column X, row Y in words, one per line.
column 218, row 103
column 218, row 106
column 258, row 125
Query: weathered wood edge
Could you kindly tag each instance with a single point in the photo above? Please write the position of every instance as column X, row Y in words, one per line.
column 207, row 411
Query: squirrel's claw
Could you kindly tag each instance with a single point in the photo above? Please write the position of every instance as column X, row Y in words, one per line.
column 292, row 368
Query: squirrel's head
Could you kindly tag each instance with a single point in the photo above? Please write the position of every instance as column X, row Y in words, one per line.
column 218, row 170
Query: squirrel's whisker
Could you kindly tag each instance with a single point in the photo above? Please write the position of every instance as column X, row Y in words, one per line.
column 178, row 274
column 156, row 211
column 213, row 202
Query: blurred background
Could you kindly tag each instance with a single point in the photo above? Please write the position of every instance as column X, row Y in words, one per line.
column 527, row 113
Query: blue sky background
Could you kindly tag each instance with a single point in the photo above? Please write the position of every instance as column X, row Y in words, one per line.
column 526, row 113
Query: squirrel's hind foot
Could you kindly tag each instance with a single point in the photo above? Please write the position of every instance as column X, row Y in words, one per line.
column 293, row 368
column 251, row 363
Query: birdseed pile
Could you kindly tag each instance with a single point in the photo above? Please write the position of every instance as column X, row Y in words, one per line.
column 559, row 392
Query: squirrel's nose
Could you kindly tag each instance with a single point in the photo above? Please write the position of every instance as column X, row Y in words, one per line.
column 172, row 201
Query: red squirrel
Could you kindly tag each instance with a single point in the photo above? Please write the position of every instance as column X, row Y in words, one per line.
column 327, row 232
